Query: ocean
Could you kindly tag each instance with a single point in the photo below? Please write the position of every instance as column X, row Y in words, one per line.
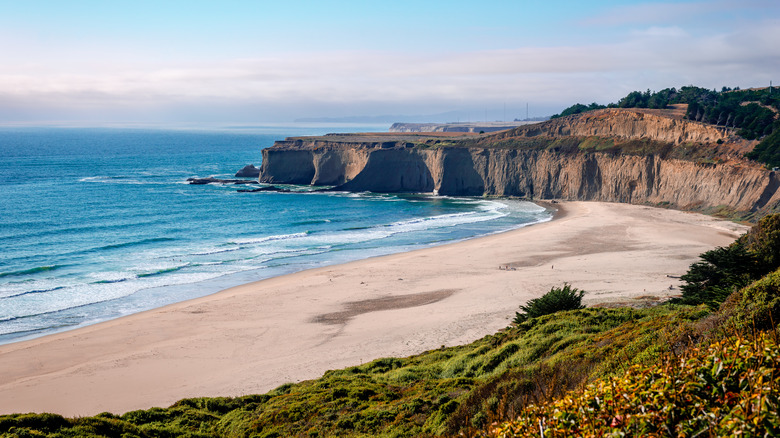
column 98, row 223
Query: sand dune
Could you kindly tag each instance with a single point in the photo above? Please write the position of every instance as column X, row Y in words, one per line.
column 252, row 338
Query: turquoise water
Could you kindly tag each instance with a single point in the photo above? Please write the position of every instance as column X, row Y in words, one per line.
column 100, row 223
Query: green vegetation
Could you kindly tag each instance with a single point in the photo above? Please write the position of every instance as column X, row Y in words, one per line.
column 753, row 113
column 557, row 300
column 763, row 240
column 604, row 145
column 729, row 388
column 718, row 275
column 723, row 271
column 768, row 151
column 578, row 108
column 723, row 381
column 440, row 392
column 648, row 99
column 675, row 369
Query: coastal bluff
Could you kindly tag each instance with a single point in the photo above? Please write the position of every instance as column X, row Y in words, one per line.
column 614, row 155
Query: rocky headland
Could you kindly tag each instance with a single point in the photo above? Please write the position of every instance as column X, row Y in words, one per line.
column 617, row 155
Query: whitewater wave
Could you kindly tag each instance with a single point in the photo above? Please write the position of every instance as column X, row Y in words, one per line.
column 30, row 271
column 126, row 269
column 122, row 180
column 164, row 271
column 255, row 241
column 34, row 291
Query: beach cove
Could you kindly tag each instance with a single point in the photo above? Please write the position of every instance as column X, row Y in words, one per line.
column 252, row 338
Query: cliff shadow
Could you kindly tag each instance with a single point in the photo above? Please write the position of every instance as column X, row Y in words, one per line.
column 392, row 170
column 459, row 176
column 287, row 166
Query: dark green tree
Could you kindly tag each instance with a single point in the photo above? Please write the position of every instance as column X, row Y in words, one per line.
column 763, row 241
column 558, row 299
column 724, row 270
column 721, row 272
column 577, row 108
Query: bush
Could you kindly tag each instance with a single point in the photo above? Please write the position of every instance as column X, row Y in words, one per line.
column 721, row 272
column 558, row 299
column 729, row 388
column 763, row 240
column 758, row 305
column 45, row 423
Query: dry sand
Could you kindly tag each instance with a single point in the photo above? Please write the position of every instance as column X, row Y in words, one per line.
column 252, row 338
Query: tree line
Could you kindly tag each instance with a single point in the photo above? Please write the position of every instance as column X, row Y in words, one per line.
column 752, row 113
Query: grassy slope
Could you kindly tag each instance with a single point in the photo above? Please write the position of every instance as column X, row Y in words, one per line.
column 438, row 392
column 728, row 387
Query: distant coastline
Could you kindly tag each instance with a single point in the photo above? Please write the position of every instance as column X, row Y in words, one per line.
column 458, row 127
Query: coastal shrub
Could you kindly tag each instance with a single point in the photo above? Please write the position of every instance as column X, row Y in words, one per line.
column 38, row 422
column 219, row 405
column 763, row 240
column 558, row 299
column 153, row 415
column 758, row 305
column 100, row 426
column 723, row 271
column 768, row 150
column 593, row 342
column 720, row 272
column 731, row 388
column 577, row 109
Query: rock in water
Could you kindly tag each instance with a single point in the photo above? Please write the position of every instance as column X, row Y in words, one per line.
column 264, row 189
column 248, row 171
column 212, row 180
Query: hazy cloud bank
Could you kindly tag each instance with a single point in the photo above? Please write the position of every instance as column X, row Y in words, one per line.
column 339, row 83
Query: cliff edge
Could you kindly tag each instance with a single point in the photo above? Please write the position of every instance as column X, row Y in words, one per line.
column 614, row 155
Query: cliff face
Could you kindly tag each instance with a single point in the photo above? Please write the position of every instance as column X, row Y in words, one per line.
column 531, row 174
column 478, row 167
column 623, row 124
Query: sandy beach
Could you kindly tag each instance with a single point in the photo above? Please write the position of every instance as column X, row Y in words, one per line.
column 255, row 337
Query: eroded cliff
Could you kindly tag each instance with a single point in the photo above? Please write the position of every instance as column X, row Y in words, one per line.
column 620, row 156
column 626, row 124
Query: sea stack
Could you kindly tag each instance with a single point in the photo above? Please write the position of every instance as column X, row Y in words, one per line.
column 248, row 171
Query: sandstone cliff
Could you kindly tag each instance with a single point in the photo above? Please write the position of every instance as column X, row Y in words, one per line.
column 530, row 162
column 626, row 124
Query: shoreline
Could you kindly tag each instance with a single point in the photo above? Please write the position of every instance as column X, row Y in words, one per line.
column 150, row 297
column 254, row 337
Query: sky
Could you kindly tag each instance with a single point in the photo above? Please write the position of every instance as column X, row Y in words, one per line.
column 253, row 62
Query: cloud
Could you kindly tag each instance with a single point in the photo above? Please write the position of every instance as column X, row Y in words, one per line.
column 293, row 85
column 661, row 32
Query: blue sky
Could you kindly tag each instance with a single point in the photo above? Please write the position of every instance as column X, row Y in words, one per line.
column 270, row 61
